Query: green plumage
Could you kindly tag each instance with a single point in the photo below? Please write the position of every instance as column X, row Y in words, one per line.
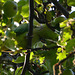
column 21, row 29
column 40, row 32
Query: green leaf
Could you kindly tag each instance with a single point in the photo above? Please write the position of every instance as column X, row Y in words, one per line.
column 10, row 34
column 70, row 45
column 18, row 70
column 59, row 50
column 0, row 53
column 36, row 23
column 72, row 15
column 18, row 18
column 67, row 33
column 57, row 20
column 71, row 2
column 63, row 24
column 41, row 59
column 38, row 44
column 69, row 63
column 10, row 44
column 31, row 55
column 50, row 60
column 25, row 11
column 19, row 59
column 61, row 55
column 23, row 2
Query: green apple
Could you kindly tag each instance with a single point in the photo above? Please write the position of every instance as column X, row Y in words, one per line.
column 10, row 8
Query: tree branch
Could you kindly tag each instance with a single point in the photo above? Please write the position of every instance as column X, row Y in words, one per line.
column 30, row 33
column 44, row 48
column 61, row 8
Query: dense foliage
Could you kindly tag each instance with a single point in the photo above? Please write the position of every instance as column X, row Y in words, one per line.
column 53, row 40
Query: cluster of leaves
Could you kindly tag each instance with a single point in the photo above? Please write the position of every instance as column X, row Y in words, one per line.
column 53, row 37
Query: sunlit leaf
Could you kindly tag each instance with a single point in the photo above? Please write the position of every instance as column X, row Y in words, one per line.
column 25, row 10
column 61, row 55
column 31, row 55
column 0, row 53
column 67, row 33
column 41, row 59
column 63, row 24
